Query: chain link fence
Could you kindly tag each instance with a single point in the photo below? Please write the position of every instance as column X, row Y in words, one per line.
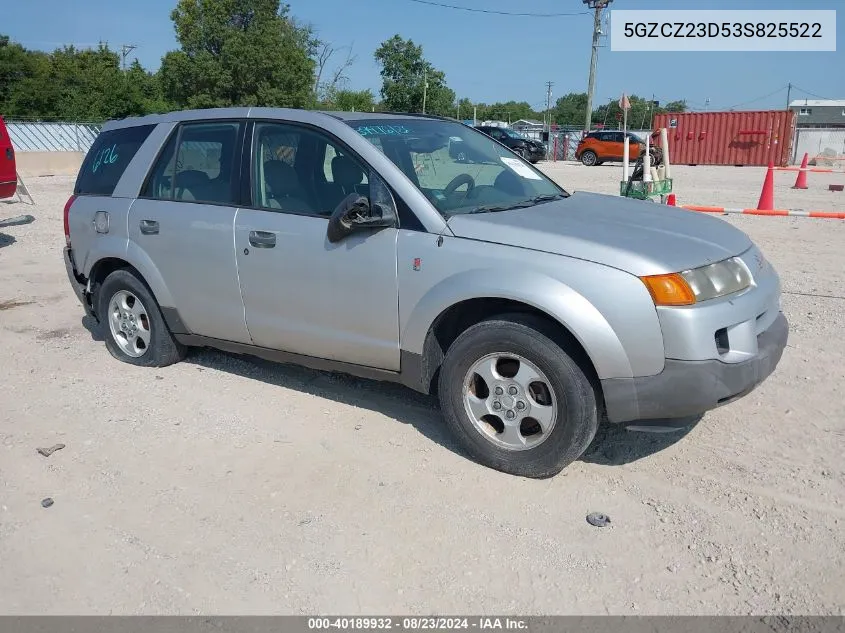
column 825, row 146
column 52, row 136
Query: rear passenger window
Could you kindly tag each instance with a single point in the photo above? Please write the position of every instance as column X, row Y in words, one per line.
column 108, row 158
column 200, row 169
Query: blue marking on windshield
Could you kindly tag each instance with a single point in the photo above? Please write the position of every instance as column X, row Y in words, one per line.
column 383, row 130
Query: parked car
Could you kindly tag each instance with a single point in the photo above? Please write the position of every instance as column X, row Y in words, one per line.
column 351, row 242
column 605, row 146
column 528, row 148
column 8, row 170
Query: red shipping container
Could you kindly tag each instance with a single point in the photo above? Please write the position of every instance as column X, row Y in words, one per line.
column 729, row 138
column 8, row 173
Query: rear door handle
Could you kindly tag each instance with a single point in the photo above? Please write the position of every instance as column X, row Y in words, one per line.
column 149, row 227
column 262, row 239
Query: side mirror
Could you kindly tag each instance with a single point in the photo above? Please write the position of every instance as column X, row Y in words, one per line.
column 355, row 213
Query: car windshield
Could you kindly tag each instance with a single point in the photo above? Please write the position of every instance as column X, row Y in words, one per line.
column 459, row 169
column 514, row 134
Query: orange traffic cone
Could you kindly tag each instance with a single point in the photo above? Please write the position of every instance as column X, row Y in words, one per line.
column 801, row 181
column 671, row 200
column 767, row 196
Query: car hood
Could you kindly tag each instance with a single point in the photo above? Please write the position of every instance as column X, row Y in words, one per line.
column 640, row 237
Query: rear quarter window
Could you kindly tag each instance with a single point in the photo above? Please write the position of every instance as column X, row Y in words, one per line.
column 108, row 158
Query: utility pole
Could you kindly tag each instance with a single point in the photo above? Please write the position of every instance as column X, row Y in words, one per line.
column 549, row 85
column 788, row 95
column 425, row 87
column 125, row 49
column 597, row 6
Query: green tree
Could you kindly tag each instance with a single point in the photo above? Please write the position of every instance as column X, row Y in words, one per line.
column 570, row 108
column 510, row 111
column 238, row 53
column 464, row 109
column 405, row 72
column 25, row 89
column 146, row 89
column 352, row 101
column 640, row 115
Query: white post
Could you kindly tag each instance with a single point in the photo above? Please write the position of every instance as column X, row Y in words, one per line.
column 664, row 141
column 626, row 154
column 626, row 157
column 647, row 159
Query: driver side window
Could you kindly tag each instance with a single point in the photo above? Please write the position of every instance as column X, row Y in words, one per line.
column 297, row 170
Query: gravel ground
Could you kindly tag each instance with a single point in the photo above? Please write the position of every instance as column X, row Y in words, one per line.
column 227, row 485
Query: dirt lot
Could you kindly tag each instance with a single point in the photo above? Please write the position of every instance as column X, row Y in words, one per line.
column 226, row 485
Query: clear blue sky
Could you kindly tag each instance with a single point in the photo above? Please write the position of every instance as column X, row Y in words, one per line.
column 485, row 57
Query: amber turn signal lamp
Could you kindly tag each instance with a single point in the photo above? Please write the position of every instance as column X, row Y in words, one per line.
column 669, row 290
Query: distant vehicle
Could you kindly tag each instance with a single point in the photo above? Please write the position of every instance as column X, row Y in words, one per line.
column 531, row 150
column 603, row 146
column 352, row 242
column 8, row 171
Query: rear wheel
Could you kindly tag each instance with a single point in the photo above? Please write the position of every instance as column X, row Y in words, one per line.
column 516, row 400
column 589, row 158
column 135, row 331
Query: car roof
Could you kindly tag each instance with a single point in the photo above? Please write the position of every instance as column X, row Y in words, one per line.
column 312, row 116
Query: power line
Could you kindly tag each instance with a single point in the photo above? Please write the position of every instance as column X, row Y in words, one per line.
column 807, row 92
column 492, row 12
column 766, row 96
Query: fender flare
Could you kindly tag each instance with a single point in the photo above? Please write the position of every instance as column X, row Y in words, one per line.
column 128, row 251
column 556, row 299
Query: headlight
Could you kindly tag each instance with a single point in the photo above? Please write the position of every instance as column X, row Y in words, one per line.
column 699, row 284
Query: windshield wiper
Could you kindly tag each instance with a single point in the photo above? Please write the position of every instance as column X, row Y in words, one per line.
column 546, row 197
column 494, row 207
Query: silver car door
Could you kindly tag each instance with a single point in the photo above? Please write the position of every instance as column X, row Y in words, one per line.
column 183, row 222
column 303, row 294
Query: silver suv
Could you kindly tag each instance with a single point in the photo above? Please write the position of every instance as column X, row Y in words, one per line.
column 357, row 242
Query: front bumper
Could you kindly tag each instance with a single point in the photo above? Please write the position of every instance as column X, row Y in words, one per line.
column 75, row 282
column 688, row 387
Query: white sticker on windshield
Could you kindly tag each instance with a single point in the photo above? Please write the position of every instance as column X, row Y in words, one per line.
column 520, row 168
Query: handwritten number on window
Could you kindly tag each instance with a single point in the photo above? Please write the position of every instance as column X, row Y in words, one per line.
column 106, row 156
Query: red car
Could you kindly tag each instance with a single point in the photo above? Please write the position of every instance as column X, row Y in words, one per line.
column 8, row 172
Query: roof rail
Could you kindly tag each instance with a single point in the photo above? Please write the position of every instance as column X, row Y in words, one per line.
column 424, row 115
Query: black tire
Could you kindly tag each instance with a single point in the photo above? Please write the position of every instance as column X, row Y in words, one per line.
column 656, row 156
column 163, row 349
column 531, row 338
column 589, row 158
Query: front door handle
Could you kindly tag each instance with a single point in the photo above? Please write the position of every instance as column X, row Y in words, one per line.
column 262, row 239
column 149, row 227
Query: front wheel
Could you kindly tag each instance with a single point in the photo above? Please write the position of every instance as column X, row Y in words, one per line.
column 515, row 399
column 135, row 331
